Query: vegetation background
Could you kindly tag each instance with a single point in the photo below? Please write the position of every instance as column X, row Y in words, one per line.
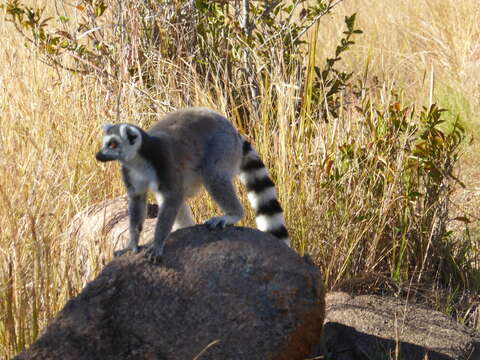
column 379, row 184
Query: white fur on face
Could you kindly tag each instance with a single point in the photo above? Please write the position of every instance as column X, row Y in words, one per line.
column 129, row 151
column 107, row 138
column 132, row 129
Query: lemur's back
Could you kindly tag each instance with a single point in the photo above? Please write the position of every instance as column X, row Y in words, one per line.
column 193, row 129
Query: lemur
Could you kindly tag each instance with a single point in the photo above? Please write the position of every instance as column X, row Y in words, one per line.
column 178, row 154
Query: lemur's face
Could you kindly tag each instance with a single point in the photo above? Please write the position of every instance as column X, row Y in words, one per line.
column 120, row 142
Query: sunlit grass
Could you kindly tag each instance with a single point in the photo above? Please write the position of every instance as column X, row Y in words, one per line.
column 404, row 41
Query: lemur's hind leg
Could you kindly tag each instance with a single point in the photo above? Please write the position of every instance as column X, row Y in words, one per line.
column 184, row 218
column 222, row 191
column 220, row 166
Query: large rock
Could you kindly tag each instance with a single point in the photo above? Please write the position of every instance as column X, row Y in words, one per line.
column 373, row 327
column 235, row 293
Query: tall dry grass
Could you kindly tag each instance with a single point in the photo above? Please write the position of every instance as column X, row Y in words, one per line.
column 431, row 49
column 411, row 43
column 47, row 123
column 50, row 129
column 405, row 40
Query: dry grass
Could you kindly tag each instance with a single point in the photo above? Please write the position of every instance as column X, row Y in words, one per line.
column 405, row 42
column 49, row 131
column 48, row 123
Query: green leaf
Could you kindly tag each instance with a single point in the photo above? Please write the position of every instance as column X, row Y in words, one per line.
column 100, row 9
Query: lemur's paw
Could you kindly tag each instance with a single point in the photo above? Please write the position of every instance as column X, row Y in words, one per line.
column 124, row 251
column 216, row 222
column 154, row 255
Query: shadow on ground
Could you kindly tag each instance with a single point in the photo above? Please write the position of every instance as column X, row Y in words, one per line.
column 345, row 343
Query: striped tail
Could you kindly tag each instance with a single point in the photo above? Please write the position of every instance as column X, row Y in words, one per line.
column 262, row 195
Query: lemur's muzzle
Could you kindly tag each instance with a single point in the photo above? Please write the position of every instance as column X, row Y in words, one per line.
column 100, row 156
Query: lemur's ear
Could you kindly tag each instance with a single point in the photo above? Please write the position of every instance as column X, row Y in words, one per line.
column 106, row 127
column 129, row 132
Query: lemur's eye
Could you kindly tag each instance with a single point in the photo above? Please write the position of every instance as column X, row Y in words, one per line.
column 112, row 145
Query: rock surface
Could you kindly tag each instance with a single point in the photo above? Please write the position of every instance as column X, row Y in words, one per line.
column 371, row 327
column 235, row 293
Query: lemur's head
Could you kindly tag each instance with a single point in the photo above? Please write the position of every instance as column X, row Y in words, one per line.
column 120, row 142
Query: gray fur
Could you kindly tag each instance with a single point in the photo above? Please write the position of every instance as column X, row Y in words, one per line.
column 178, row 154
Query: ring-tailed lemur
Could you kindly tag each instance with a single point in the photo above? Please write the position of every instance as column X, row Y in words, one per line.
column 174, row 158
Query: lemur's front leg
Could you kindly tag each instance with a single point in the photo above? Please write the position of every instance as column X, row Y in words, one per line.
column 137, row 209
column 167, row 212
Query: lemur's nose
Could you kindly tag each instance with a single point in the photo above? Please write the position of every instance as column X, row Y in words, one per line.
column 101, row 156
